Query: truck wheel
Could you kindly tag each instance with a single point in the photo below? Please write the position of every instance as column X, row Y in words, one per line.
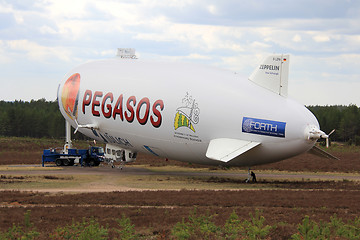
column 72, row 162
column 59, row 162
column 66, row 162
column 92, row 162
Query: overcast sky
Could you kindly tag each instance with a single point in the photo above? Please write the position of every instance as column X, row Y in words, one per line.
column 41, row 40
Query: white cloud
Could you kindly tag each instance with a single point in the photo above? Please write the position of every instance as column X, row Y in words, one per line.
column 4, row 59
column 321, row 38
column 212, row 9
column 324, row 40
column 297, row 38
column 37, row 52
column 47, row 30
column 318, row 93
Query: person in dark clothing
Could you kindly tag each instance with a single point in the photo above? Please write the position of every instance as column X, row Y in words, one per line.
column 253, row 176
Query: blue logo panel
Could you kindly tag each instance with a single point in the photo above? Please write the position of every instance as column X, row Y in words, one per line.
column 263, row 127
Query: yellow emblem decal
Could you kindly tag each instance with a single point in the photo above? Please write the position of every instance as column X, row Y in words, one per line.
column 187, row 115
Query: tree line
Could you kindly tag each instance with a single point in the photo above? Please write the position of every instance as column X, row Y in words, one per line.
column 41, row 118
column 344, row 119
column 37, row 119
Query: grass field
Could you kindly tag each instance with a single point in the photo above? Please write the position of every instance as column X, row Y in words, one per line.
column 213, row 191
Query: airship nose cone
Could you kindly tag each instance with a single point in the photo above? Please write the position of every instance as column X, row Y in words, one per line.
column 68, row 95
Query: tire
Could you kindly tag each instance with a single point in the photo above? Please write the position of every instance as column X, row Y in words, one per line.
column 72, row 162
column 92, row 163
column 59, row 162
column 66, row 162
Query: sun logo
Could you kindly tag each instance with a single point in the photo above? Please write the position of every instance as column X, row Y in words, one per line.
column 70, row 95
column 187, row 115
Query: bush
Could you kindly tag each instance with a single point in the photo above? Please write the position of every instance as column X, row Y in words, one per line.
column 126, row 229
column 202, row 227
column 197, row 227
column 255, row 228
column 87, row 229
column 332, row 230
column 17, row 232
column 233, row 227
column 357, row 140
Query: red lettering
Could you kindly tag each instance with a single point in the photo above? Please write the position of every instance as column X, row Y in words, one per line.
column 108, row 106
column 118, row 108
column 86, row 99
column 140, row 110
column 130, row 118
column 143, row 120
column 96, row 103
column 157, row 113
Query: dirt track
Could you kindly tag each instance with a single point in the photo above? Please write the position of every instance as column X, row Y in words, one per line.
column 111, row 178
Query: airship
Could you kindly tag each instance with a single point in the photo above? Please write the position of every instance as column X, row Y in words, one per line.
column 189, row 112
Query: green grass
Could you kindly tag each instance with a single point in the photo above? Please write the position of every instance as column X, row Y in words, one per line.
column 342, row 148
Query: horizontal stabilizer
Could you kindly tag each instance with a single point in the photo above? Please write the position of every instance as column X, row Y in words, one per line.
column 226, row 149
column 273, row 74
column 321, row 153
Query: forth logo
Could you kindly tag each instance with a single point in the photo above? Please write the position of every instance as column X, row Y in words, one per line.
column 263, row 127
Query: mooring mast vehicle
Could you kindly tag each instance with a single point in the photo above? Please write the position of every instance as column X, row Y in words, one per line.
column 68, row 156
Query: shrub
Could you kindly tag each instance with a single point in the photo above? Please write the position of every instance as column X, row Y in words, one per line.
column 197, row 227
column 87, row 229
column 126, row 229
column 255, row 228
column 233, row 227
column 18, row 232
column 331, row 230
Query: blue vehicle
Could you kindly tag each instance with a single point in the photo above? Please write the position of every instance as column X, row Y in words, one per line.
column 70, row 156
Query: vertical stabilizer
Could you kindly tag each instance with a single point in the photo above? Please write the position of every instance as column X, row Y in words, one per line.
column 273, row 74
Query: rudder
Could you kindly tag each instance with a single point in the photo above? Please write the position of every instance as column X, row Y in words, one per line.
column 273, row 74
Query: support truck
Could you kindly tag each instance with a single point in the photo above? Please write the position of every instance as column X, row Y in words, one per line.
column 68, row 156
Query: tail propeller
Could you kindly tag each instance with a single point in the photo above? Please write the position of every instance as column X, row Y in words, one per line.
column 327, row 138
column 315, row 134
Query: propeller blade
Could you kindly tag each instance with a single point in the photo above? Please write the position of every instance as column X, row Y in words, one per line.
column 327, row 139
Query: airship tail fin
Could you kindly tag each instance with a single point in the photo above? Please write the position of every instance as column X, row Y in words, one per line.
column 273, row 73
column 226, row 149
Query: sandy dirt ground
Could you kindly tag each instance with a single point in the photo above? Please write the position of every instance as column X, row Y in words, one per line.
column 111, row 177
